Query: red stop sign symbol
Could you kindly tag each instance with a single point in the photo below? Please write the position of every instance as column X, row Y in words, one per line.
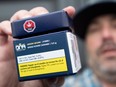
column 29, row 26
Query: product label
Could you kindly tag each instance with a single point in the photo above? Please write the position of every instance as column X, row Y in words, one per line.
column 42, row 63
column 74, row 52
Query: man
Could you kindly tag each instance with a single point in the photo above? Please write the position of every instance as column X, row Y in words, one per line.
column 96, row 25
column 100, row 39
column 8, row 73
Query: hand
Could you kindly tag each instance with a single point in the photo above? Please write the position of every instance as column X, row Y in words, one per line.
column 8, row 73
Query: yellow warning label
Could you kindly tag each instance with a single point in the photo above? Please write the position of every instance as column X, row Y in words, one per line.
column 43, row 67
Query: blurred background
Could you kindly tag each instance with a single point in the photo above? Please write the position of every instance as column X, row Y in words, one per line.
column 9, row 7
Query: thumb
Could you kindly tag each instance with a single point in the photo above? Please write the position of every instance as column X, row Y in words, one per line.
column 70, row 10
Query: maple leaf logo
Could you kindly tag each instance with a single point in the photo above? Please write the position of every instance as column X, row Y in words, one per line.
column 29, row 26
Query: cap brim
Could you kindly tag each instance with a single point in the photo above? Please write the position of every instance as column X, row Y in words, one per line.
column 83, row 17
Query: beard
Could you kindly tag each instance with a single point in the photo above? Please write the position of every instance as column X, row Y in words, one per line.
column 104, row 68
column 103, row 72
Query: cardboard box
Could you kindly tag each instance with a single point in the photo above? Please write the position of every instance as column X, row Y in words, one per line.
column 43, row 24
column 48, row 55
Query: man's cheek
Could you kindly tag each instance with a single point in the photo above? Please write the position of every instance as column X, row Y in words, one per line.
column 92, row 55
column 91, row 49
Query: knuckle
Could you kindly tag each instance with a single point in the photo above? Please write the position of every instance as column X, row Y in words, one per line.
column 42, row 8
column 19, row 14
column 38, row 9
column 21, row 11
column 5, row 22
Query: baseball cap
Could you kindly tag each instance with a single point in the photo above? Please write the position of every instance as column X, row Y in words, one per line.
column 88, row 12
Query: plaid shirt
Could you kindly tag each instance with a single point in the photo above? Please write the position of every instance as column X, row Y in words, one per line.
column 86, row 79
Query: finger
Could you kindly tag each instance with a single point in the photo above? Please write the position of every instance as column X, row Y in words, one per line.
column 3, row 39
column 38, row 11
column 59, row 81
column 5, row 27
column 51, row 82
column 70, row 10
column 20, row 15
column 5, row 30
